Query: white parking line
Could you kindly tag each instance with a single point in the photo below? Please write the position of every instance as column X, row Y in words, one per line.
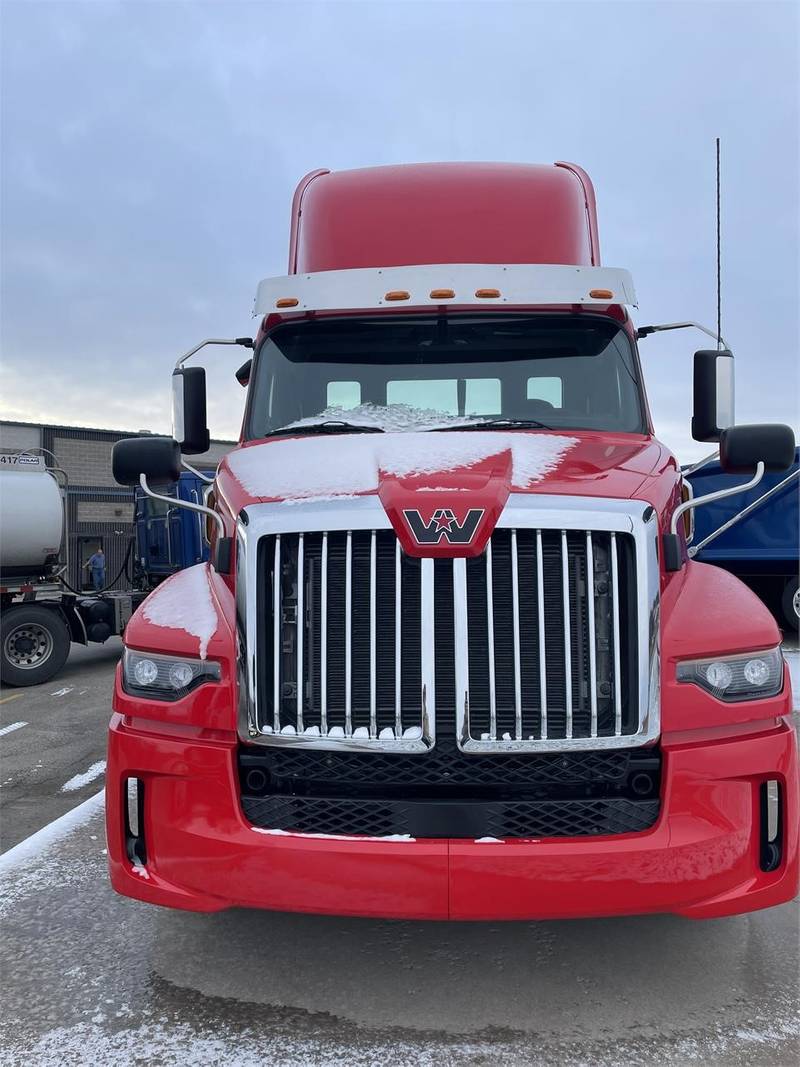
column 13, row 726
column 63, row 692
column 80, row 780
column 33, row 847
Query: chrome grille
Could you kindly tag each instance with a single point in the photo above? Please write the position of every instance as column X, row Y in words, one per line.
column 346, row 657
column 551, row 634
column 351, row 644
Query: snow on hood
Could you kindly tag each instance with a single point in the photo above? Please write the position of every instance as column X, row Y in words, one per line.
column 184, row 602
column 344, row 465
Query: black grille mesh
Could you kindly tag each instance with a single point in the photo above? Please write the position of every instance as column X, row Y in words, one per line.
column 378, row 818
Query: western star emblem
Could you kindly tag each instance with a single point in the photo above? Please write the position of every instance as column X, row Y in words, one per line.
column 443, row 524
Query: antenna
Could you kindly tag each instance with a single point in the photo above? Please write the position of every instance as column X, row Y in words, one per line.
column 719, row 261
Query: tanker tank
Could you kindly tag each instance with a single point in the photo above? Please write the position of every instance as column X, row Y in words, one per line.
column 31, row 517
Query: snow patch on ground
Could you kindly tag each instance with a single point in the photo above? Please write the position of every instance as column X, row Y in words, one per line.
column 80, row 780
column 184, row 603
column 28, row 867
column 346, row 465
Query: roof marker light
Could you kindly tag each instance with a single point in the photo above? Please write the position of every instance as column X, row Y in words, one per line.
column 442, row 294
column 397, row 294
column 601, row 294
column 287, row 302
column 487, row 294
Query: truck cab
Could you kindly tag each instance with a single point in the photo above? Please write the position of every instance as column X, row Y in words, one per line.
column 449, row 657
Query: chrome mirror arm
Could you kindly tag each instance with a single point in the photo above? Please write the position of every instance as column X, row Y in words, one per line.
column 174, row 502
column 198, row 474
column 645, row 331
column 709, row 498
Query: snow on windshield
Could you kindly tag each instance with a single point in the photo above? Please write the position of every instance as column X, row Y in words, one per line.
column 391, row 418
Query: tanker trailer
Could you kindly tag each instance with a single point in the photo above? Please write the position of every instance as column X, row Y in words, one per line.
column 41, row 616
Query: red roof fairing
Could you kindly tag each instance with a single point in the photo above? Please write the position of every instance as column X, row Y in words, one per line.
column 443, row 213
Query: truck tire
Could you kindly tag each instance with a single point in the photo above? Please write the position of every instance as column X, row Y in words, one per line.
column 790, row 604
column 34, row 644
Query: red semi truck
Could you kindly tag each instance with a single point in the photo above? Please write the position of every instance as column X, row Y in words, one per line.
column 450, row 658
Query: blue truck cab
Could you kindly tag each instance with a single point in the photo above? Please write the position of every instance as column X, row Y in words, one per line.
column 169, row 538
column 755, row 535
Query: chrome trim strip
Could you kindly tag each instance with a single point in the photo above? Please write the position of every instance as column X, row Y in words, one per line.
column 615, row 610
column 461, row 643
column 592, row 630
column 348, row 637
column 515, row 622
column 490, row 642
column 323, row 644
column 567, row 634
column 398, row 639
column 428, row 695
column 373, row 705
column 300, row 627
column 542, row 638
column 277, row 625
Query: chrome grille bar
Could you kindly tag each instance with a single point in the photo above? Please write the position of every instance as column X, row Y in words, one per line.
column 540, row 626
column 277, row 616
column 323, row 640
column 490, row 636
column 300, row 629
column 515, row 618
column 348, row 637
column 567, row 633
column 592, row 632
column 617, row 681
column 373, row 695
column 398, row 640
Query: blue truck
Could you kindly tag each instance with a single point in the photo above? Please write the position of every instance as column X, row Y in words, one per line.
column 755, row 535
column 169, row 538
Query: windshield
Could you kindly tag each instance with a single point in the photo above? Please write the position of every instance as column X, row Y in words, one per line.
column 555, row 371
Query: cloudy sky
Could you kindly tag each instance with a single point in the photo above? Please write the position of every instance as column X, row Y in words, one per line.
column 150, row 151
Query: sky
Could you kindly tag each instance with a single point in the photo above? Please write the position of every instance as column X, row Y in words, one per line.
column 150, row 151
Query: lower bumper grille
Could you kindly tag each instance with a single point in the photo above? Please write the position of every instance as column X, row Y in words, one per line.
column 456, row 819
column 447, row 793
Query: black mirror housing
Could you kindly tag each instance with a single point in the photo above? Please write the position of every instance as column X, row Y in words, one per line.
column 159, row 458
column 741, row 448
column 713, row 394
column 243, row 373
column 189, row 418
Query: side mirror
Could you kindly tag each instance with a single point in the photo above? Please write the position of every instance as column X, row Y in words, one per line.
column 189, row 420
column 159, row 458
column 742, row 448
column 713, row 394
column 243, row 373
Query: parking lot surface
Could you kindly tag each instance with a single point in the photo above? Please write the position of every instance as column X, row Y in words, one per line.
column 91, row 978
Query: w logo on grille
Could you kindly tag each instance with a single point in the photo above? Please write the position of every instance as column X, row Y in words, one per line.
column 443, row 524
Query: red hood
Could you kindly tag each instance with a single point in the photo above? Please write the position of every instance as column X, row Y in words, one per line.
column 443, row 492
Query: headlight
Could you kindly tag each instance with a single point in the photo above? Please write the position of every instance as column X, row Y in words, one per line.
column 744, row 677
column 164, row 677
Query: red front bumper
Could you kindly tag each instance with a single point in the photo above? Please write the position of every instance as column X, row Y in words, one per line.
column 701, row 859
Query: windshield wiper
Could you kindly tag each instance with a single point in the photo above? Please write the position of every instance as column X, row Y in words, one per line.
column 498, row 424
column 328, row 426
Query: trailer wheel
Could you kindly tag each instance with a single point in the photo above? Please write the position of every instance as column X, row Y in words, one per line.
column 34, row 644
column 790, row 604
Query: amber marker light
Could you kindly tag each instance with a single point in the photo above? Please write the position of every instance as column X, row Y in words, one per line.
column 397, row 294
column 487, row 294
column 442, row 294
column 601, row 294
column 287, row 302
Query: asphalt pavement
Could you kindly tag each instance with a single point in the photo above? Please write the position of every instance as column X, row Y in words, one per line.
column 91, row 978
